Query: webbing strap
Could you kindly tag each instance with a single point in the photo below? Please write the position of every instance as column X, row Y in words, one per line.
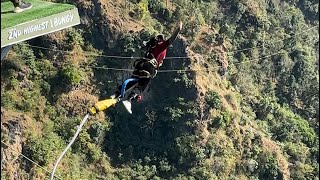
column 123, row 88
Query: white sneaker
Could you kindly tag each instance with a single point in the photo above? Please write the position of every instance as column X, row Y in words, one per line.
column 127, row 105
column 22, row 7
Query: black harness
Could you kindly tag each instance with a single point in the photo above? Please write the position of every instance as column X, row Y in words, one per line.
column 145, row 68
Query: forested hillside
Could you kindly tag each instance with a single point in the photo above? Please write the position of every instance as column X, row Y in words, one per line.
column 237, row 97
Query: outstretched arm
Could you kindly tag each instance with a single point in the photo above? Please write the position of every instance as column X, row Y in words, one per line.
column 174, row 35
column 169, row 41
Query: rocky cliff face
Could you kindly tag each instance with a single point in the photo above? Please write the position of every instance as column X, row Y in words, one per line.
column 105, row 22
column 13, row 132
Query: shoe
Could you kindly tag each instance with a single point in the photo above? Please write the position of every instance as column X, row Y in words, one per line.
column 127, row 105
column 22, row 7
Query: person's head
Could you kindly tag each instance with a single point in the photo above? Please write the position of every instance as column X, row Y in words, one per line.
column 159, row 38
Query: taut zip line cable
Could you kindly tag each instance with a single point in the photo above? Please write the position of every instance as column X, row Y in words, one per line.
column 176, row 70
column 180, row 70
column 131, row 57
column 191, row 70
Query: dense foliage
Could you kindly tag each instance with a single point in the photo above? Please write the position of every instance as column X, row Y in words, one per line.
column 260, row 121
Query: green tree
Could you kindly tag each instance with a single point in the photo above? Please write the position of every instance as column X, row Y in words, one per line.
column 71, row 75
column 44, row 149
column 213, row 99
column 268, row 166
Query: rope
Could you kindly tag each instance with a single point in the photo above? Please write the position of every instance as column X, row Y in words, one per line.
column 28, row 159
column 76, row 134
column 69, row 145
column 189, row 70
column 178, row 57
column 174, row 70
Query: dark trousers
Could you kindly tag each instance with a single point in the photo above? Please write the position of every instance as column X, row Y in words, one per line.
column 144, row 71
column 15, row 3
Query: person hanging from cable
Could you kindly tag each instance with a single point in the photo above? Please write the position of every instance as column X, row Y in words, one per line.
column 146, row 68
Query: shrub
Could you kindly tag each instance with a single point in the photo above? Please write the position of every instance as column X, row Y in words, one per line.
column 186, row 80
column 303, row 171
column 44, row 149
column 127, row 44
column 221, row 120
column 291, row 127
column 165, row 14
column 71, row 75
column 268, row 166
column 175, row 113
column 297, row 151
column 159, row 27
column 142, row 10
column 155, row 6
column 97, row 132
column 93, row 153
column 74, row 37
column 164, row 165
column 201, row 19
column 25, row 51
column 178, row 14
column 213, row 99
column 8, row 99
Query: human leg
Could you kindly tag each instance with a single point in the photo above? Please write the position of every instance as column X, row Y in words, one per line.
column 138, row 90
column 136, row 93
column 20, row 6
column 128, row 86
column 15, row 3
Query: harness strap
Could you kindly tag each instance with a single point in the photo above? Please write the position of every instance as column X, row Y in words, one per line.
column 141, row 61
column 154, row 62
column 145, row 68
column 124, row 84
column 138, row 74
